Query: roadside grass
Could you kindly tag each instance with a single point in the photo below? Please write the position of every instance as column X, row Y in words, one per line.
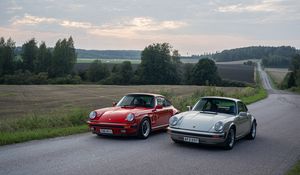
column 295, row 170
column 44, row 126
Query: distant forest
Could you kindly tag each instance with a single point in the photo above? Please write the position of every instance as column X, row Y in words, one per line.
column 271, row 56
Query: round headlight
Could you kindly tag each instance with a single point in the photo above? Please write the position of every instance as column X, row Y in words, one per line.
column 173, row 120
column 219, row 126
column 130, row 117
column 93, row 115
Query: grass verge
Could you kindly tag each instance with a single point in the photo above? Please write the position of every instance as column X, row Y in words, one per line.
column 295, row 170
column 36, row 134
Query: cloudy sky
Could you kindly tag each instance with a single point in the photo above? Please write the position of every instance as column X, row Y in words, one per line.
column 191, row 26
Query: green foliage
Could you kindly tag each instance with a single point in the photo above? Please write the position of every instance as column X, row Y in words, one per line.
column 97, row 71
column 25, row 77
column 43, row 61
column 68, row 79
column 29, row 55
column 121, row 74
column 205, row 73
column 64, row 58
column 272, row 56
column 292, row 79
column 6, row 56
column 157, row 66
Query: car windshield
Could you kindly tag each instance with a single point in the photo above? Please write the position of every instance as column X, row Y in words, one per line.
column 216, row 105
column 137, row 101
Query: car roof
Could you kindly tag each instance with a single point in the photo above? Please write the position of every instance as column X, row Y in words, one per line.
column 226, row 98
column 142, row 93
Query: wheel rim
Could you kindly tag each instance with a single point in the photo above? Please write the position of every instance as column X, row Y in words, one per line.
column 145, row 128
column 253, row 130
column 231, row 138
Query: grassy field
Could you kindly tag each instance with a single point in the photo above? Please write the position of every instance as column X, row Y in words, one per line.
column 277, row 74
column 43, row 111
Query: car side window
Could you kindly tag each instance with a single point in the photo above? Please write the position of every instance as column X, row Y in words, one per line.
column 166, row 103
column 242, row 107
column 160, row 101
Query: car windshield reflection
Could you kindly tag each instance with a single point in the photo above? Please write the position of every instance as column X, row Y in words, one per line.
column 137, row 101
column 215, row 105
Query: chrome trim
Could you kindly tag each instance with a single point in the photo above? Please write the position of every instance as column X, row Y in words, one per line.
column 196, row 132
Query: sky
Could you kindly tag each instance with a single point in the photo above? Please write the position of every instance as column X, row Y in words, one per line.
column 191, row 26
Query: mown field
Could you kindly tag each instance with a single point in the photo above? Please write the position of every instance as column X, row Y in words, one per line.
column 26, row 100
column 277, row 74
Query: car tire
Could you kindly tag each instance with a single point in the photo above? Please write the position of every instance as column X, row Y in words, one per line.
column 230, row 140
column 144, row 129
column 252, row 134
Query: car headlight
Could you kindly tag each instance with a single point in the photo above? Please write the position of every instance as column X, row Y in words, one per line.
column 219, row 126
column 173, row 120
column 93, row 115
column 130, row 117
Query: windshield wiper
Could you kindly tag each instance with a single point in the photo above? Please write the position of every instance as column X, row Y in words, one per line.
column 208, row 112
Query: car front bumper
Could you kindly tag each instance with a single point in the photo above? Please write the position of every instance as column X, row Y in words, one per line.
column 196, row 136
column 118, row 129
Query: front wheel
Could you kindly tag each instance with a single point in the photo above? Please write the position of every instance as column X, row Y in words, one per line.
column 230, row 140
column 252, row 134
column 144, row 129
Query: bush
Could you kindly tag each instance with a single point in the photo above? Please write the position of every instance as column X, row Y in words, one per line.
column 69, row 79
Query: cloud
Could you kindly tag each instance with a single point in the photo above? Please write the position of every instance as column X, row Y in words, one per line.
column 125, row 28
column 264, row 6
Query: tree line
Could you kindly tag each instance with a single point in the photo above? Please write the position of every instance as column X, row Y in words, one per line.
column 292, row 79
column 160, row 64
column 271, row 56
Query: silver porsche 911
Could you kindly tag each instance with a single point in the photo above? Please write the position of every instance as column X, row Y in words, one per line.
column 213, row 120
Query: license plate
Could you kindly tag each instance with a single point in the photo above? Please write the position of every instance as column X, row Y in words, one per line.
column 191, row 140
column 106, row 131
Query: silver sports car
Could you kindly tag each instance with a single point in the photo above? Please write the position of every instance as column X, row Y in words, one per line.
column 213, row 120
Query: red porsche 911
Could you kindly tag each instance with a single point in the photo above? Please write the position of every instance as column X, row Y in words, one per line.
column 135, row 114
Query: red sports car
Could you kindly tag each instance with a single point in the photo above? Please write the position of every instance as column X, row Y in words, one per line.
column 135, row 114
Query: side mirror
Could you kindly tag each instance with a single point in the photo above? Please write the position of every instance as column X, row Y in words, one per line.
column 158, row 107
column 189, row 108
column 243, row 114
column 114, row 103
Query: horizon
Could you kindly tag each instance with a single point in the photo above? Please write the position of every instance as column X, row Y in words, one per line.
column 193, row 28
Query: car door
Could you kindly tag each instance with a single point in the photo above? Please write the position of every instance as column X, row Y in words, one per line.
column 241, row 120
column 164, row 113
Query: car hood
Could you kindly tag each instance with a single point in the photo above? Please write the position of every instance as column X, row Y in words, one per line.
column 118, row 114
column 196, row 120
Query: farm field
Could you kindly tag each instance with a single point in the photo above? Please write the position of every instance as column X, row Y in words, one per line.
column 18, row 101
column 277, row 74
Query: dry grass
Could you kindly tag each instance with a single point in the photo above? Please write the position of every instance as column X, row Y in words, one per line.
column 18, row 101
column 277, row 74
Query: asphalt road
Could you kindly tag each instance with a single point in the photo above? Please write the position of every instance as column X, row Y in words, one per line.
column 275, row 149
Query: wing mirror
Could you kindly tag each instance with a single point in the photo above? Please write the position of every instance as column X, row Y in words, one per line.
column 243, row 114
column 114, row 104
column 158, row 107
column 189, row 108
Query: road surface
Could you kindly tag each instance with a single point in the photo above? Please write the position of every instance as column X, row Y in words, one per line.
column 275, row 149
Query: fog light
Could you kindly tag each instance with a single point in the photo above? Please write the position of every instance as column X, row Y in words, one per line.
column 123, row 131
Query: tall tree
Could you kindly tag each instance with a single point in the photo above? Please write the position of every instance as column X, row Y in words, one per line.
column 29, row 55
column 6, row 56
column 43, row 61
column 205, row 72
column 157, row 66
column 64, row 58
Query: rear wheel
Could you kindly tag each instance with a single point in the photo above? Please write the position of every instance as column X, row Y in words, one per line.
column 252, row 133
column 144, row 129
column 230, row 140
